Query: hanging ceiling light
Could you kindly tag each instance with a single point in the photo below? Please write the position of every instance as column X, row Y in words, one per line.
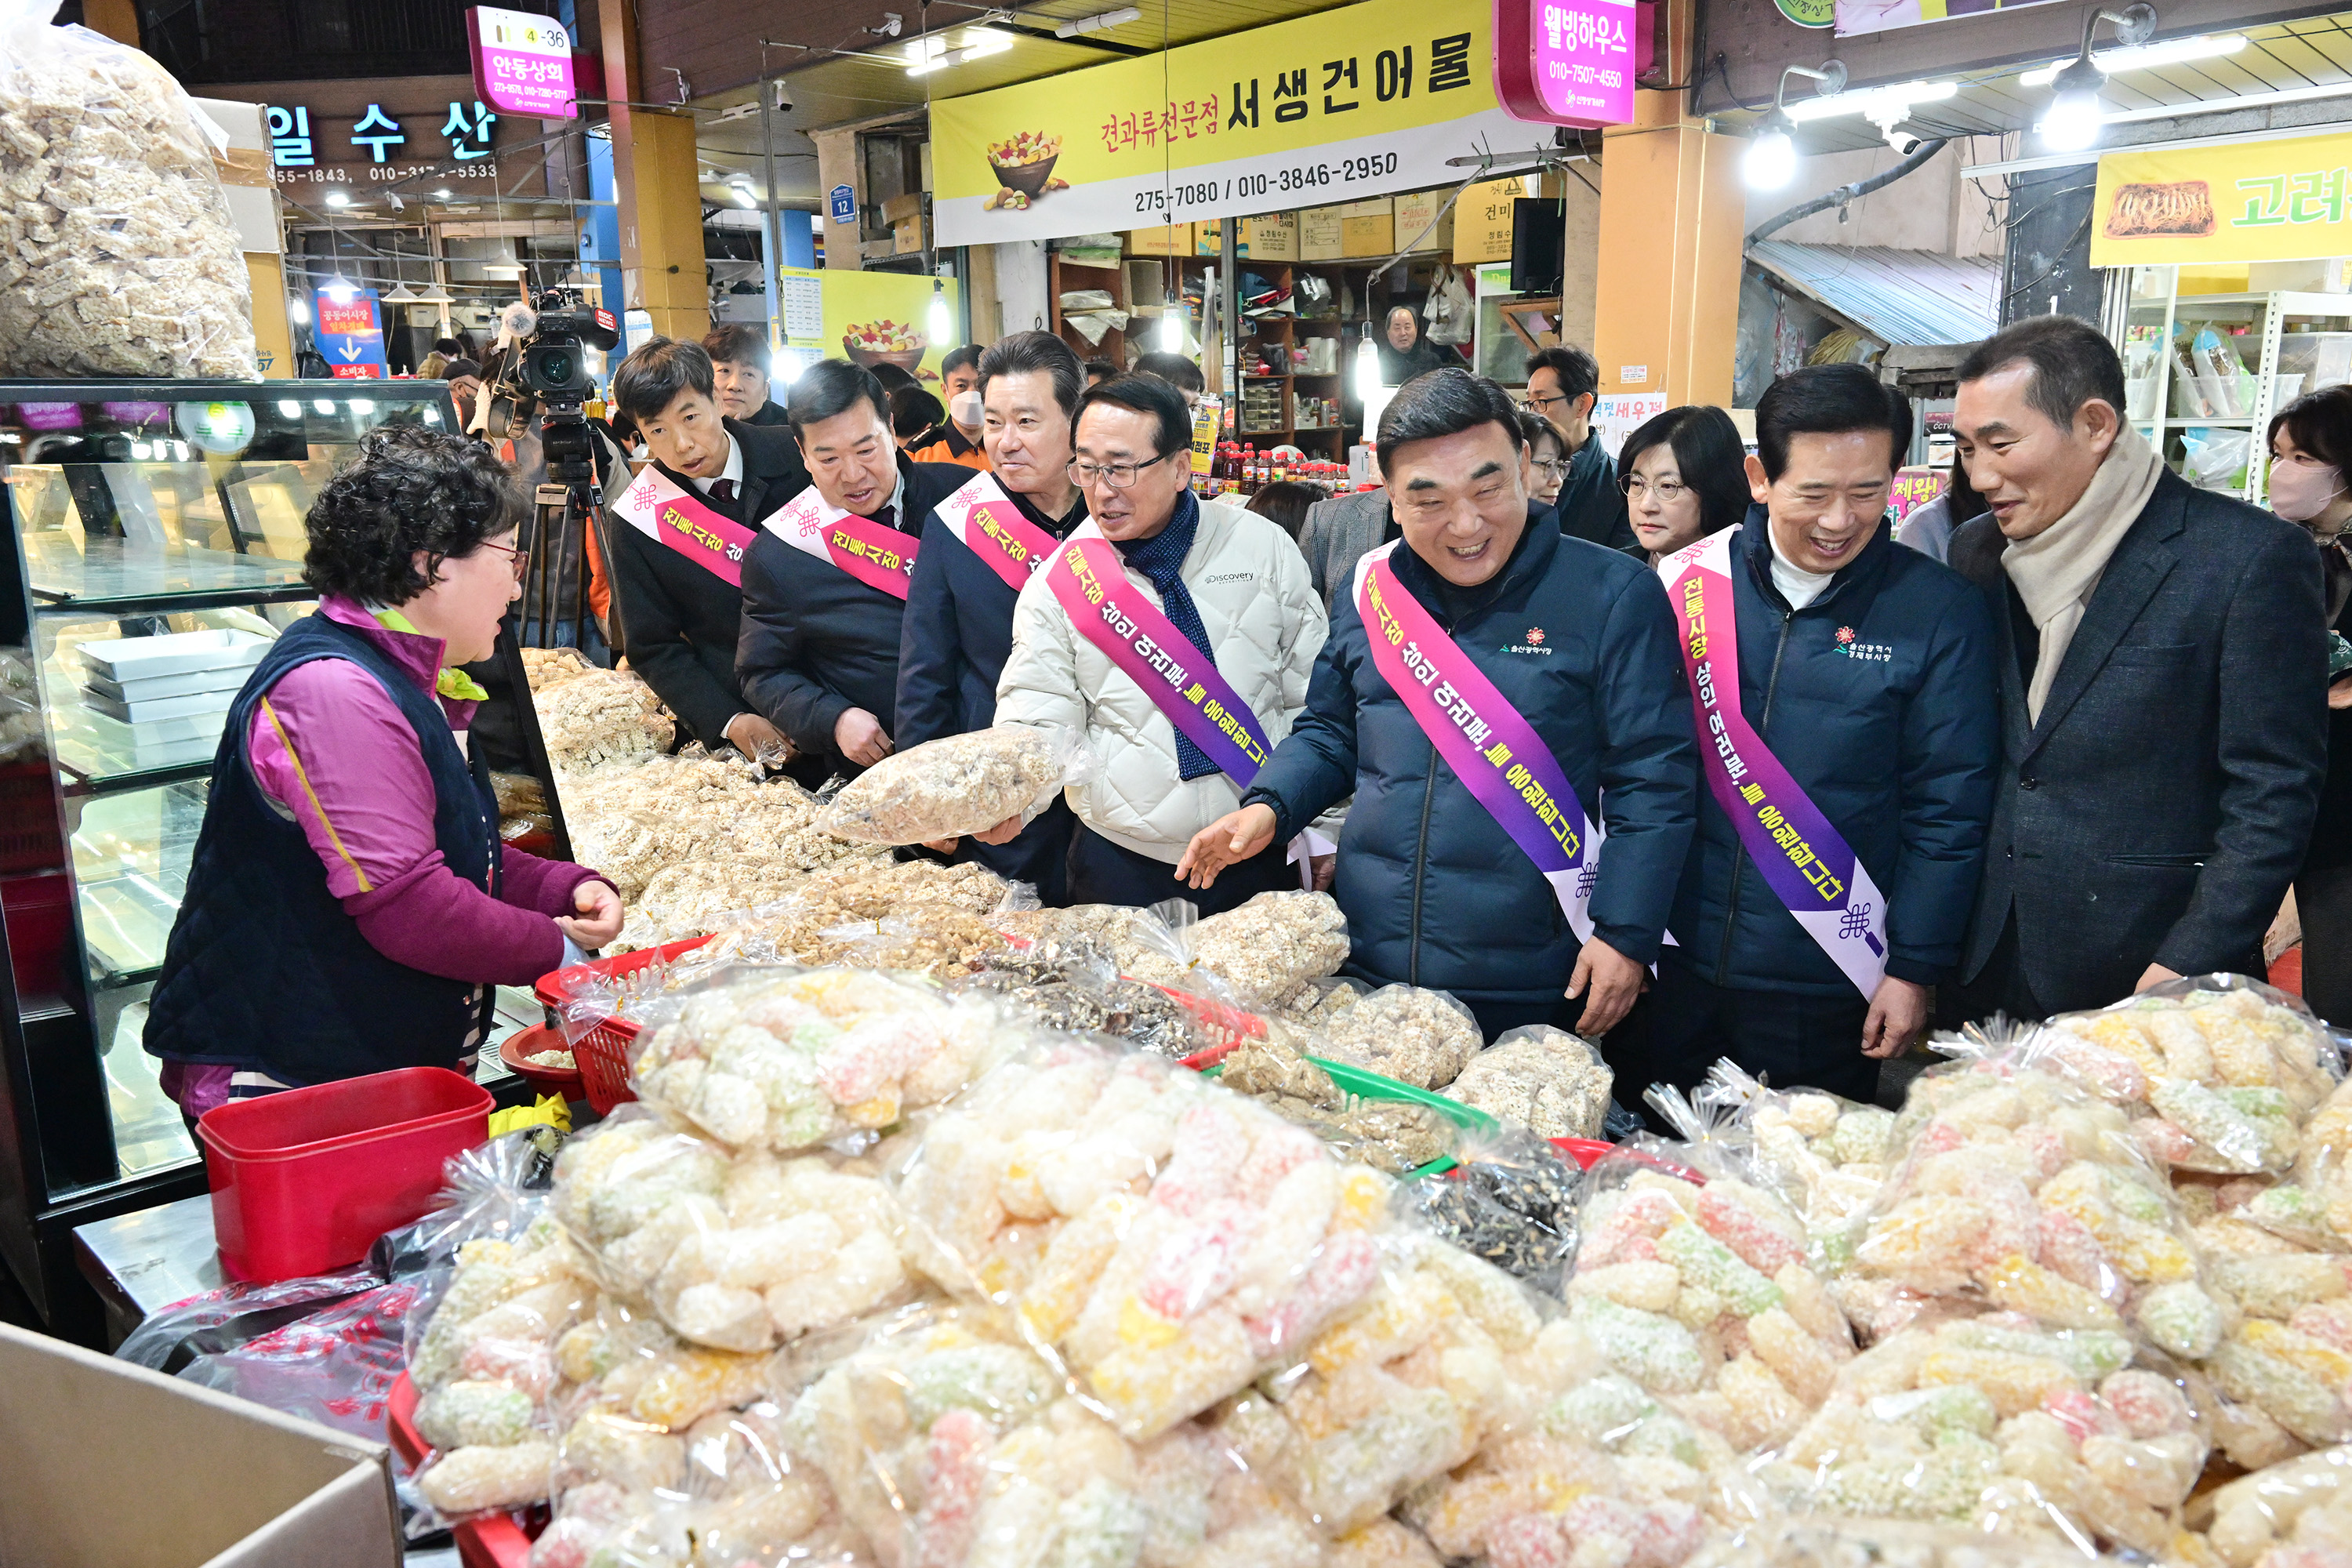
column 939, row 324
column 932, row 52
column 337, row 199
column 399, row 294
column 2171, row 52
column 338, row 288
column 1889, row 103
column 740, row 187
column 1171, row 331
column 2072, row 121
column 1771, row 161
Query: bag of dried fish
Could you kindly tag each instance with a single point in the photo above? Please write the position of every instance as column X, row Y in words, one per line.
column 1422, row 1037
column 1511, row 1201
column 1072, row 984
column 118, row 253
column 960, row 785
column 1543, row 1079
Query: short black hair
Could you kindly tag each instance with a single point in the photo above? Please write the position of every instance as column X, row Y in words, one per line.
column 1173, row 368
column 832, row 387
column 657, row 374
column 1708, row 455
column 1285, row 504
column 409, row 489
column 1535, row 428
column 914, row 411
column 2073, row 363
column 1579, row 373
column 893, row 376
column 1829, row 400
column 1446, row 402
column 2319, row 423
column 736, row 343
column 1144, row 395
column 1024, row 353
column 1099, row 370
column 958, row 359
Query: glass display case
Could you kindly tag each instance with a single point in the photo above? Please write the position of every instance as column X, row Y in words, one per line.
column 156, row 547
column 2204, row 372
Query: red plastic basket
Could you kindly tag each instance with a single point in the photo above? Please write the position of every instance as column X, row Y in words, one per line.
column 1227, row 1027
column 304, row 1181
column 603, row 1053
column 494, row 1541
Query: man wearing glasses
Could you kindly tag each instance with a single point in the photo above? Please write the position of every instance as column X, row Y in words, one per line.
column 1174, row 633
column 1563, row 383
column 825, row 577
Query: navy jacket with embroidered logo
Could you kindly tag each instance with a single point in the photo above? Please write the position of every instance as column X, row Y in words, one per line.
column 1881, row 699
column 959, row 631
column 1580, row 640
column 817, row 642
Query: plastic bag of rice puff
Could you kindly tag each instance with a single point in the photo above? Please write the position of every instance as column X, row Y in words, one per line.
column 784, row 1058
column 950, row 1442
column 2012, row 1188
column 961, row 784
column 2294, row 1514
column 1162, row 1239
column 1819, row 1543
column 1257, row 954
column 734, row 1251
column 2221, row 1072
column 726, row 1488
column 1693, row 1281
column 1825, row 1156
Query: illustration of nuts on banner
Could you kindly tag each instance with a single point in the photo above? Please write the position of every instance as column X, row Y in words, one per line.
column 1024, row 166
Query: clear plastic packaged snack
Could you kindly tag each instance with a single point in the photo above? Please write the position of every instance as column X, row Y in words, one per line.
column 1265, row 949
column 118, row 253
column 960, row 785
column 1546, row 1080
column 1422, row 1037
column 2295, row 1514
column 1827, row 1157
column 1511, row 1201
column 602, row 716
column 1393, row 1135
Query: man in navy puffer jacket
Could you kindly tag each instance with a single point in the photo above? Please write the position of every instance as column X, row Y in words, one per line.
column 1868, row 671
column 1579, row 640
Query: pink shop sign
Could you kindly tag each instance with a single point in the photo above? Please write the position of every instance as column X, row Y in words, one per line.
column 1570, row 62
column 523, row 63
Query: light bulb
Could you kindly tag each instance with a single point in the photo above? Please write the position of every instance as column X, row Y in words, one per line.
column 1368, row 369
column 1171, row 332
column 1771, row 161
column 939, row 325
column 337, row 199
column 2072, row 120
column 297, row 309
column 339, row 291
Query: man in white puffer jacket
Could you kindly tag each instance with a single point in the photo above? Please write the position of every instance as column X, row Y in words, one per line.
column 1164, row 578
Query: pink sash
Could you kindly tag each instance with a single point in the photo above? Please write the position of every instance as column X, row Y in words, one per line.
column 657, row 507
column 992, row 527
column 873, row 552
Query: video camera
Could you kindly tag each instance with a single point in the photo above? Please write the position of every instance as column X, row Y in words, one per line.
column 555, row 370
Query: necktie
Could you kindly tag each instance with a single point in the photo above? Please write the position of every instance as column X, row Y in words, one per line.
column 723, row 491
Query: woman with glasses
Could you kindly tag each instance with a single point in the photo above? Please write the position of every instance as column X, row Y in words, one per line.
column 1685, row 477
column 1547, row 459
column 349, row 905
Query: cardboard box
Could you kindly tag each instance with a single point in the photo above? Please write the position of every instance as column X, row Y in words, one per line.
column 1482, row 222
column 1273, row 237
column 1319, row 237
column 1176, row 239
column 907, row 235
column 111, row 1463
column 1368, row 228
column 1419, row 210
column 1209, row 239
column 897, row 209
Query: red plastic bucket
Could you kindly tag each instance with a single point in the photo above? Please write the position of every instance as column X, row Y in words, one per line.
column 304, row 1181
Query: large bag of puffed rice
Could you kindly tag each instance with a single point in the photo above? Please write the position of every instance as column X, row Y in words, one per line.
column 118, row 256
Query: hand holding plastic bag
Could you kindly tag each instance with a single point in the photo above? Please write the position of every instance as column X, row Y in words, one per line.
column 960, row 785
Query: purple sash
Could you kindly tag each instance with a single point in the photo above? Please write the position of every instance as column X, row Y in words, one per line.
column 1490, row 746
column 1805, row 860
column 1109, row 612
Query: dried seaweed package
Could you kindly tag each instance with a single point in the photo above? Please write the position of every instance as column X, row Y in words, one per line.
column 118, row 255
column 1510, row 1200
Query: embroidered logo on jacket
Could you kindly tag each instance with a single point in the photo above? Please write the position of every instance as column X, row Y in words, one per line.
column 1876, row 652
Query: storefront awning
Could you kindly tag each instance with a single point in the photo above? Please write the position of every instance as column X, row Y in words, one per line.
column 1899, row 297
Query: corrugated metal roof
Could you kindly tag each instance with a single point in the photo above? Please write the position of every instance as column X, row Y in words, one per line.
column 1908, row 297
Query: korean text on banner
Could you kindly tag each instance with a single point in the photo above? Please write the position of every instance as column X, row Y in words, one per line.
column 1340, row 106
column 2251, row 201
column 523, row 63
column 1859, row 16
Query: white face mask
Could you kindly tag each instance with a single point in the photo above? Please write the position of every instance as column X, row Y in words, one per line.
column 965, row 408
column 2301, row 491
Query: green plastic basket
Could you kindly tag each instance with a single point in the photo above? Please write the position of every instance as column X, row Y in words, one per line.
column 1367, row 1085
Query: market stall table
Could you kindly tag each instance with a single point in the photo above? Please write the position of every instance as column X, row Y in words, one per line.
column 139, row 1263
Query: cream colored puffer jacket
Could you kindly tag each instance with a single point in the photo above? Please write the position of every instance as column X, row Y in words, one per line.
column 1266, row 624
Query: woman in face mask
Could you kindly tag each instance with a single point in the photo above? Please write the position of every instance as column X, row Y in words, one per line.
column 2311, row 452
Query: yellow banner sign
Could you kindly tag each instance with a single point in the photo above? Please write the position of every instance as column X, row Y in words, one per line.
column 2251, row 201
column 1343, row 105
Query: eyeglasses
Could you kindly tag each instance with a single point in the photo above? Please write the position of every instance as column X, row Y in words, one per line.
column 1669, row 491
column 1537, row 401
column 521, row 557
column 1551, row 467
column 1118, row 475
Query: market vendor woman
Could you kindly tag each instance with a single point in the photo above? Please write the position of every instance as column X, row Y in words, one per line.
column 350, row 906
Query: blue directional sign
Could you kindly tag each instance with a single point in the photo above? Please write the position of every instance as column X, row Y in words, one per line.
column 351, row 332
column 842, row 204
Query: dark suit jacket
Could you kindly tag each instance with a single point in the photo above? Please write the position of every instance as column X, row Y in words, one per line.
column 679, row 621
column 815, row 641
column 1590, row 506
column 2158, row 811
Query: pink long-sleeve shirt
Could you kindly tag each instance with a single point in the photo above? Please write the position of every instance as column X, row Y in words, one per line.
column 335, row 754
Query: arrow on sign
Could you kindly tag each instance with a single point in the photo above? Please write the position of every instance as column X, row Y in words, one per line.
column 351, row 353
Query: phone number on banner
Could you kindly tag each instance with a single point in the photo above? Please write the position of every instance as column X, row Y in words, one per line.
column 1281, row 182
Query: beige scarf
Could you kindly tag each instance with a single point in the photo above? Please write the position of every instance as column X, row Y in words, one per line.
column 2057, row 570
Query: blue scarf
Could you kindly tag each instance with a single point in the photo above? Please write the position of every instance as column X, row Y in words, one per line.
column 1160, row 558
